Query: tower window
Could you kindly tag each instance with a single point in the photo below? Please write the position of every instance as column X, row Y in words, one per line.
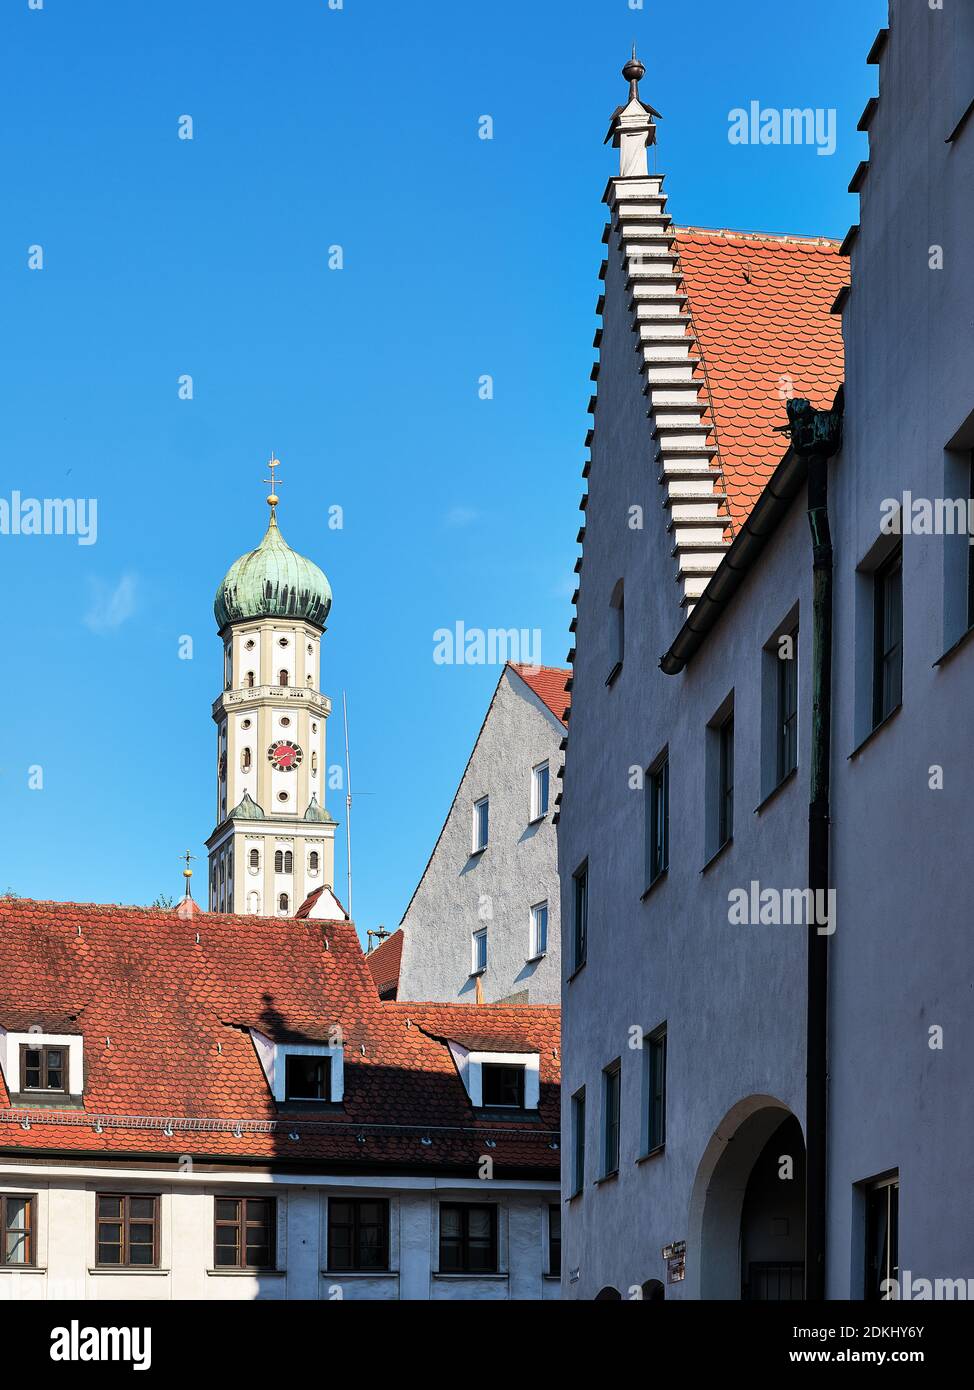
column 249, row 680
column 282, row 902
column 283, row 680
column 279, row 862
column 245, row 760
column 249, row 644
column 285, row 722
column 282, row 642
column 313, row 861
column 282, row 796
column 288, row 862
column 255, row 858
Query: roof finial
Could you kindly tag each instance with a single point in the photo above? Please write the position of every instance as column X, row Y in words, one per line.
column 272, row 498
column 188, row 872
column 634, row 72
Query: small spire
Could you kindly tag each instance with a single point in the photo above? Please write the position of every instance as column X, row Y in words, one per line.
column 188, row 872
column 272, row 497
column 634, row 72
column 632, row 127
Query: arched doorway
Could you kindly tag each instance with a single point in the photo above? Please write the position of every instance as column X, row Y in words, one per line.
column 653, row 1291
column 608, row 1295
column 747, row 1209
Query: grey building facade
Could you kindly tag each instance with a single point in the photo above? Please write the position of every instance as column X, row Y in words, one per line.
column 690, row 1166
column 484, row 918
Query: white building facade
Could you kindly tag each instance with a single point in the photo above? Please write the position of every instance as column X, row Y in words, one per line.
column 738, row 1122
column 486, row 911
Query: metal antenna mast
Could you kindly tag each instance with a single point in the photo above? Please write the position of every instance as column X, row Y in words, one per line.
column 348, row 805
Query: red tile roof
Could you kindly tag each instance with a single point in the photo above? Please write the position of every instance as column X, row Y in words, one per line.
column 760, row 306
column 548, row 683
column 165, row 1022
column 384, row 963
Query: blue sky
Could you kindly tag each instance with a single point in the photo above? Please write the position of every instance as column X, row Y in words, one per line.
column 462, row 257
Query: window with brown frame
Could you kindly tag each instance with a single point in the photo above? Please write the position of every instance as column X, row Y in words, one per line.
column 244, row 1232
column 127, row 1229
column 43, row 1068
column 16, row 1229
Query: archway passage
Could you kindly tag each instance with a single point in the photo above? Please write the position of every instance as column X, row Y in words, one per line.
column 653, row 1291
column 747, row 1212
column 608, row 1295
column 773, row 1220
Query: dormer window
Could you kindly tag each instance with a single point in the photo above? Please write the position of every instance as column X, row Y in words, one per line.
column 498, row 1080
column 43, row 1069
column 42, row 1064
column 502, row 1085
column 307, row 1078
column 301, row 1072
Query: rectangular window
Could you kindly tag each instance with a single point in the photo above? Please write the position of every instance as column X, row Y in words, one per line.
column 658, row 819
column 882, row 1237
column 539, row 930
column 481, row 824
column 578, row 1141
column 554, row 1241
column 611, row 1087
column 502, row 1085
column 580, row 923
column 358, row 1234
column 244, row 1232
column 654, row 1060
column 468, row 1238
column 16, row 1230
column 539, row 791
column 478, row 962
column 126, row 1229
column 725, row 782
column 43, row 1068
column 307, row 1078
column 888, row 636
column 787, row 704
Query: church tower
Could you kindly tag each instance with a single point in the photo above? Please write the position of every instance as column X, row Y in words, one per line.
column 274, row 841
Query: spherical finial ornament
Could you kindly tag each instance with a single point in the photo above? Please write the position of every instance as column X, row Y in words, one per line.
column 272, row 499
column 634, row 71
column 187, row 873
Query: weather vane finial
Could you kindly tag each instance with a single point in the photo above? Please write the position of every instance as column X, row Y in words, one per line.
column 272, row 498
column 188, row 872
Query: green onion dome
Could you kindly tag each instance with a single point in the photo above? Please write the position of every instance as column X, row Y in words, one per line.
column 273, row 581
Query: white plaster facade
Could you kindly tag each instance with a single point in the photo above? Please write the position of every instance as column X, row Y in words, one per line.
column 733, row 997
column 464, row 890
column 65, row 1237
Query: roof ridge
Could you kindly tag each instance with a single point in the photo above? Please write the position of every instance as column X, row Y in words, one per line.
column 778, row 238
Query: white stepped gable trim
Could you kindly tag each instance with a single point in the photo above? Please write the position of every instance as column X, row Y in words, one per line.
column 687, row 453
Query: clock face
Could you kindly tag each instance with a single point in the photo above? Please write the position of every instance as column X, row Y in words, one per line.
column 284, row 755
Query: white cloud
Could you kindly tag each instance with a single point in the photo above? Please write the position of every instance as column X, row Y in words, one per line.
column 461, row 516
column 111, row 605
